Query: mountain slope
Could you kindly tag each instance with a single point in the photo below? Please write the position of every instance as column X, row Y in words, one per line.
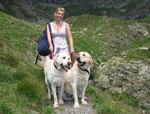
column 107, row 37
column 22, row 83
column 36, row 10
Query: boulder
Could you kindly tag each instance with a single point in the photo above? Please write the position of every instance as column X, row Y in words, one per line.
column 132, row 78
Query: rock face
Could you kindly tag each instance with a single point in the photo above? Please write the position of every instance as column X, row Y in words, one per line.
column 129, row 9
column 132, row 78
column 35, row 10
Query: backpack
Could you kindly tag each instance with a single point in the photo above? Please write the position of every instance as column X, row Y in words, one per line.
column 43, row 45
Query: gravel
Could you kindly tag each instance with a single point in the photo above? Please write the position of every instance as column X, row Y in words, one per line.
column 67, row 108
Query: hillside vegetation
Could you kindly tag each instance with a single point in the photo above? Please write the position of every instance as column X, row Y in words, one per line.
column 22, row 88
column 105, row 37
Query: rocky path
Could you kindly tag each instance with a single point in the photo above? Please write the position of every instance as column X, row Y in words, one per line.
column 67, row 108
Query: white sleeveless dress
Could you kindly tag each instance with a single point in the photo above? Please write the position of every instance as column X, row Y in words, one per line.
column 59, row 40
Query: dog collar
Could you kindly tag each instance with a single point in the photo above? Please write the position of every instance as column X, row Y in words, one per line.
column 84, row 70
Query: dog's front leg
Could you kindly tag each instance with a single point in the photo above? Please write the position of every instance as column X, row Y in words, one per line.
column 83, row 95
column 48, row 89
column 61, row 102
column 54, row 95
column 76, row 103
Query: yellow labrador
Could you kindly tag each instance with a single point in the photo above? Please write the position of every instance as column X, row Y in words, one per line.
column 54, row 71
column 77, row 78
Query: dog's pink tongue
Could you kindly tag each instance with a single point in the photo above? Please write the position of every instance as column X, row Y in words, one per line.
column 66, row 69
column 79, row 64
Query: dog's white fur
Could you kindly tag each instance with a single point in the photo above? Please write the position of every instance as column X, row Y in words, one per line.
column 55, row 76
column 77, row 78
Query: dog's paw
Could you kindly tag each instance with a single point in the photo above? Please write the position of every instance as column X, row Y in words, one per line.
column 84, row 102
column 55, row 105
column 76, row 106
column 49, row 97
column 61, row 102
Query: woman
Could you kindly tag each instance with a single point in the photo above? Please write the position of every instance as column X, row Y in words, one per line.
column 59, row 31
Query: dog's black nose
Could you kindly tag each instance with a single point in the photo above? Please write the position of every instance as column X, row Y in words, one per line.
column 78, row 59
column 69, row 63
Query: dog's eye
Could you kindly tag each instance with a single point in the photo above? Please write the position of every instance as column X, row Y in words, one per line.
column 64, row 57
column 83, row 54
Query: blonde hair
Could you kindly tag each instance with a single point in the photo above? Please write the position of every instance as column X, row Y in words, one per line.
column 59, row 9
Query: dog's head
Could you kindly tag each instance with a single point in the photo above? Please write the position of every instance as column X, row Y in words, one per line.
column 62, row 62
column 84, row 60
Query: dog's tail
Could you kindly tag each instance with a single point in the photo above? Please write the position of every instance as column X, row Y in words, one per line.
column 46, row 58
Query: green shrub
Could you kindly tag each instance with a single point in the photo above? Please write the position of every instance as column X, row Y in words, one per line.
column 12, row 59
column 105, row 104
column 20, row 74
column 32, row 88
column 47, row 110
column 5, row 74
column 1, row 44
column 5, row 108
column 126, row 99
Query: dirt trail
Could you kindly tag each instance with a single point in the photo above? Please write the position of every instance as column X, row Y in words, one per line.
column 67, row 108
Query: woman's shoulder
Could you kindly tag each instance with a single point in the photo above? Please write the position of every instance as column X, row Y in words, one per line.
column 67, row 24
column 51, row 22
column 48, row 23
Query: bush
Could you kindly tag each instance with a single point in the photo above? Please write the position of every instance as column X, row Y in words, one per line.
column 32, row 88
column 5, row 74
column 12, row 60
column 5, row 109
column 20, row 74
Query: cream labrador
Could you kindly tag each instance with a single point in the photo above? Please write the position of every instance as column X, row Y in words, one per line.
column 54, row 71
column 77, row 78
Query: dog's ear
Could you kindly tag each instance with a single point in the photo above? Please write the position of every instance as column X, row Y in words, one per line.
column 91, row 61
column 55, row 58
column 78, row 55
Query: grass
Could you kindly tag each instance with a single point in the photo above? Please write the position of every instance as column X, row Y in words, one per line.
column 106, row 37
column 137, row 54
column 106, row 104
column 126, row 99
column 22, row 87
column 21, row 82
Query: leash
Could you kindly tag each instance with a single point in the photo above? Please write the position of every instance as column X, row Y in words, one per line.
column 37, row 58
column 51, row 54
column 72, row 58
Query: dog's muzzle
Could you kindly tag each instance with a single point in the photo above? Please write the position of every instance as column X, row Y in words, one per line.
column 66, row 68
column 80, row 63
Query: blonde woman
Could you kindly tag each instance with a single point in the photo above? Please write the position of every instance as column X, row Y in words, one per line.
column 59, row 30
